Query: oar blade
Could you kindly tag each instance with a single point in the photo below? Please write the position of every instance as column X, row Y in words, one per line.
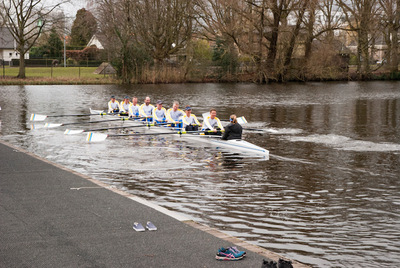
column 33, row 127
column 95, row 137
column 241, row 120
column 100, row 112
column 38, row 117
column 205, row 115
column 48, row 125
column 73, row 131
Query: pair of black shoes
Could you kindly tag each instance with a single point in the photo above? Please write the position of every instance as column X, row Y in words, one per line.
column 272, row 264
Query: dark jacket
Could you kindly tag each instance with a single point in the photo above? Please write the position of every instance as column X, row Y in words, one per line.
column 232, row 132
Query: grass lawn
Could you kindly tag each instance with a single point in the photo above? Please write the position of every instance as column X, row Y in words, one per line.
column 55, row 75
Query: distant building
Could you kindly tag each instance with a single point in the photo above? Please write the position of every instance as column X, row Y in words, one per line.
column 97, row 40
column 8, row 46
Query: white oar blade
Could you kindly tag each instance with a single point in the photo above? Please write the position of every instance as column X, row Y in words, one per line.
column 241, row 120
column 96, row 111
column 95, row 137
column 33, row 127
column 73, row 131
column 205, row 115
column 48, row 125
column 38, row 117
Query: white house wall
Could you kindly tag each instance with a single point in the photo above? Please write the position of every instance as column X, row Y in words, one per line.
column 10, row 54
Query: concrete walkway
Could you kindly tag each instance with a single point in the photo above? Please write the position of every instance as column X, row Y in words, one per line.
column 53, row 217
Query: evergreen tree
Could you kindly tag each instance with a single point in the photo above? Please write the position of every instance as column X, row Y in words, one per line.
column 83, row 28
column 54, row 44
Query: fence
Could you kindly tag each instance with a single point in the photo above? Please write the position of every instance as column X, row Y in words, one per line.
column 56, row 62
column 50, row 68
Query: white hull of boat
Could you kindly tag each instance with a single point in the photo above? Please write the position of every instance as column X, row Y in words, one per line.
column 236, row 145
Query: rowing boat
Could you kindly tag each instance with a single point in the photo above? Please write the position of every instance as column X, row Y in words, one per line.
column 214, row 141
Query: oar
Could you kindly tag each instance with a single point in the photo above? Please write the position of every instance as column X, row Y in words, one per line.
column 50, row 125
column 95, row 137
column 253, row 129
column 78, row 131
column 41, row 117
column 241, row 120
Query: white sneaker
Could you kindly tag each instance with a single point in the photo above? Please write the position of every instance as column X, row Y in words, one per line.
column 150, row 226
column 138, row 227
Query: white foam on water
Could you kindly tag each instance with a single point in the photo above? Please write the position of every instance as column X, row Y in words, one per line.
column 347, row 144
column 281, row 131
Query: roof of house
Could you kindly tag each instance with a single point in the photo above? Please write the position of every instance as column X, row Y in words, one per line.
column 102, row 39
column 6, row 39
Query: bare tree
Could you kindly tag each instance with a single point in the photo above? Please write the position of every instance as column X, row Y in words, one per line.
column 165, row 26
column 25, row 20
column 115, row 17
column 390, row 20
column 361, row 17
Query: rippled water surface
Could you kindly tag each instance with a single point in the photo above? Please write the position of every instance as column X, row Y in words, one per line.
column 329, row 195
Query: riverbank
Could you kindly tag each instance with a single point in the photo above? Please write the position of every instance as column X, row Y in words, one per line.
column 86, row 76
column 54, row 217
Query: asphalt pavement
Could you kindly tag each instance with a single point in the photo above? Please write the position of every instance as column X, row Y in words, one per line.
column 53, row 217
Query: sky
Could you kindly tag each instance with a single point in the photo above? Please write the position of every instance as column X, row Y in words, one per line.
column 69, row 9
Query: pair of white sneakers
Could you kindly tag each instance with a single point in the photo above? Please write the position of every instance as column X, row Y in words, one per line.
column 138, row 227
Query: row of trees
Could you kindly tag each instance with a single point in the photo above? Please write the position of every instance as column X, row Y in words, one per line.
column 270, row 39
column 280, row 38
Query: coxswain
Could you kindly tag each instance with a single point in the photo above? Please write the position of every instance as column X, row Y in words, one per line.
column 190, row 122
column 174, row 115
column 213, row 124
column 113, row 105
column 146, row 109
column 159, row 113
column 124, row 106
column 233, row 131
column 134, row 108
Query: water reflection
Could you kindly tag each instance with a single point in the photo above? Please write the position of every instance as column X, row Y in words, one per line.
column 328, row 196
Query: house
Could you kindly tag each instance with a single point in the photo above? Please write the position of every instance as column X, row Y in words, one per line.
column 8, row 46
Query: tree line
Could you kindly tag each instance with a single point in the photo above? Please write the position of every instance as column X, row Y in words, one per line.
column 273, row 40
column 257, row 40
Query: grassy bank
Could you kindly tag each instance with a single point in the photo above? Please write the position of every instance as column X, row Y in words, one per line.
column 55, row 75
column 86, row 76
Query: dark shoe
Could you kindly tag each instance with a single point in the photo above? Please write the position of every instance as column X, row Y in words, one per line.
column 284, row 264
column 268, row 264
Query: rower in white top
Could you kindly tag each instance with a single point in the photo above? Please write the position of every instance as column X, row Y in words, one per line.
column 212, row 125
column 159, row 113
column 113, row 105
column 190, row 122
column 174, row 115
column 124, row 106
column 134, row 108
column 146, row 109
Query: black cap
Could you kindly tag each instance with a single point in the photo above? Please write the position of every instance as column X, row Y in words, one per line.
column 159, row 102
column 112, row 97
column 188, row 108
column 126, row 97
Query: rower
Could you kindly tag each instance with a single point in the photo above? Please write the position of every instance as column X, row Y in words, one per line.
column 174, row 115
column 113, row 105
column 233, row 131
column 134, row 108
column 212, row 123
column 159, row 113
column 146, row 109
column 190, row 122
column 124, row 106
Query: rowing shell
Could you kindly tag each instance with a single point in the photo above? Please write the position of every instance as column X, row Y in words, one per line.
column 236, row 145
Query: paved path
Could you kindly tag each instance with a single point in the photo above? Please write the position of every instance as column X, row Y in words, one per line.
column 53, row 217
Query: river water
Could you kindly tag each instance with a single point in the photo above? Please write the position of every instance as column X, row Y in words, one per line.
column 328, row 196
